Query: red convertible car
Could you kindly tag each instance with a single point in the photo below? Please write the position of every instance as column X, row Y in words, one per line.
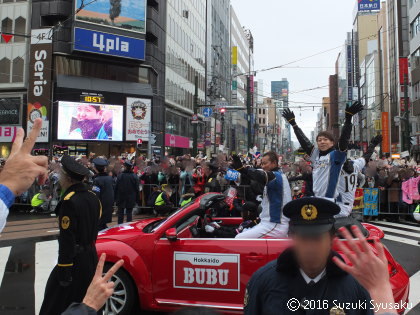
column 172, row 262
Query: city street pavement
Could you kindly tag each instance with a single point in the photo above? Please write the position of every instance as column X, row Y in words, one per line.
column 28, row 252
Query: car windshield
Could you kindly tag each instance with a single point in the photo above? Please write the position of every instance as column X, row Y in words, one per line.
column 156, row 227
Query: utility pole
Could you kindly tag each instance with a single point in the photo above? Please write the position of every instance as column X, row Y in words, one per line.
column 195, row 105
column 249, row 109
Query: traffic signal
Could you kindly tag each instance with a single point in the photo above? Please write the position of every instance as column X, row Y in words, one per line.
column 139, row 143
column 222, row 111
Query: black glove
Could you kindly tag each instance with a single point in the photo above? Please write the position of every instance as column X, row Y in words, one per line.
column 376, row 140
column 289, row 116
column 65, row 276
column 237, row 163
column 353, row 110
column 348, row 167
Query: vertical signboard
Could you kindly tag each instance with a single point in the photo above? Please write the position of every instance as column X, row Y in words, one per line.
column 39, row 86
column 138, row 119
column 349, row 73
column 234, row 75
column 385, row 133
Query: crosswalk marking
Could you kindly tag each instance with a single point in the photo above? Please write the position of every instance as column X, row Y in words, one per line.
column 401, row 240
column 406, row 233
column 400, row 225
column 45, row 260
column 4, row 257
column 414, row 296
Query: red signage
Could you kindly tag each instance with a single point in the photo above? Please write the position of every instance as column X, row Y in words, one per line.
column 385, row 133
column 404, row 71
column 177, row 141
column 207, row 271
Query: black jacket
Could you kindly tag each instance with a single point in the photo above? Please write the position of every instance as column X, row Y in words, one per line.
column 127, row 190
column 103, row 186
column 79, row 309
column 272, row 286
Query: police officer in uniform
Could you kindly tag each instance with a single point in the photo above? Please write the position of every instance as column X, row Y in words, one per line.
column 103, row 187
column 304, row 279
column 78, row 212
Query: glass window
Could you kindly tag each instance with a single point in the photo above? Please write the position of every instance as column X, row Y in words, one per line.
column 6, row 27
column 20, row 29
column 17, row 74
column 4, row 70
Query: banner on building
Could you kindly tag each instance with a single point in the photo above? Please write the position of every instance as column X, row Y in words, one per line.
column 10, row 110
column 385, row 133
column 234, row 74
column 369, row 5
column 39, row 86
column 138, row 119
column 370, row 201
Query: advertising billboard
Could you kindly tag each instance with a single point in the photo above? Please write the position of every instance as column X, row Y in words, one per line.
column 10, row 110
column 129, row 15
column 109, row 44
column 89, row 121
column 369, row 5
column 39, row 86
column 138, row 119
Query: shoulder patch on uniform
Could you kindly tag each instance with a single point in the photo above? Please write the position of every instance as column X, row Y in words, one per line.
column 69, row 195
column 96, row 189
column 65, row 222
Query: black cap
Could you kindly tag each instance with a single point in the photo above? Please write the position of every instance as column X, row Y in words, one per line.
column 100, row 162
column 74, row 169
column 311, row 215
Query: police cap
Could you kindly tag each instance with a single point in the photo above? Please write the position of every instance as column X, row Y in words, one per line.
column 100, row 162
column 73, row 169
column 311, row 215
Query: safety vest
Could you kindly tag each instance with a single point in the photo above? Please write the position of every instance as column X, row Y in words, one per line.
column 35, row 202
column 186, row 201
column 159, row 200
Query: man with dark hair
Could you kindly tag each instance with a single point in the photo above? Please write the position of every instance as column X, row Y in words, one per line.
column 103, row 187
column 127, row 192
column 276, row 194
column 212, row 183
column 306, row 273
column 327, row 161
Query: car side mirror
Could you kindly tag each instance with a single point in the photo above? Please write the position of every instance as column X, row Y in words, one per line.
column 171, row 234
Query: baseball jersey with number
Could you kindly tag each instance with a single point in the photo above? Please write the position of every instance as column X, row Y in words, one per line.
column 326, row 172
column 347, row 186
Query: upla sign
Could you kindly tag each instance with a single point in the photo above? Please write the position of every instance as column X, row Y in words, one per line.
column 108, row 44
column 39, row 87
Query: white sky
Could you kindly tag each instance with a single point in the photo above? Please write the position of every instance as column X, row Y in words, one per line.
column 285, row 31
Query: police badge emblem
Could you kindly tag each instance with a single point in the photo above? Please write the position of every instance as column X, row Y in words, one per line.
column 335, row 310
column 309, row 212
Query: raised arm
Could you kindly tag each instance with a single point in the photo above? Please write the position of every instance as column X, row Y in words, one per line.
column 352, row 110
column 306, row 145
column 373, row 144
column 258, row 175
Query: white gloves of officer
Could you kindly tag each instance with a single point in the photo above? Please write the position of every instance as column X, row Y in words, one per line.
column 210, row 228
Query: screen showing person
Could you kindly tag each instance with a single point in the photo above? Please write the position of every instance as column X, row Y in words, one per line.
column 89, row 121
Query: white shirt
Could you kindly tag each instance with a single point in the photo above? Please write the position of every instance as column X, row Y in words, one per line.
column 316, row 279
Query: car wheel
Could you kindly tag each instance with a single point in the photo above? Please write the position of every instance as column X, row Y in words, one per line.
column 123, row 299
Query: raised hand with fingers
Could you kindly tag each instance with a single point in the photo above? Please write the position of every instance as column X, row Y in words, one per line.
column 100, row 288
column 376, row 140
column 289, row 116
column 352, row 110
column 21, row 168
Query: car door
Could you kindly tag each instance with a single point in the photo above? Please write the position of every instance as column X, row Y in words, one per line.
column 209, row 272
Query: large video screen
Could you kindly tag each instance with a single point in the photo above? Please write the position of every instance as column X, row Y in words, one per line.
column 126, row 14
column 89, row 121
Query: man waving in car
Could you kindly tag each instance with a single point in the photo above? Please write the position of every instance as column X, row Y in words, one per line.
column 276, row 195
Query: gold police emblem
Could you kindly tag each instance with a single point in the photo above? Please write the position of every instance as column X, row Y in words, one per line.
column 65, row 222
column 337, row 311
column 309, row 212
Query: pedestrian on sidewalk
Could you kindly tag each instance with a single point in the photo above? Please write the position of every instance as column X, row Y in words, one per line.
column 127, row 192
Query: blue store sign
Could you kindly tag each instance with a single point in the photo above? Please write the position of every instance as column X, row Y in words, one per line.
column 109, row 44
column 369, row 5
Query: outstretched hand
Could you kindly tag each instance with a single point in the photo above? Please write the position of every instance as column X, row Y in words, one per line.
column 352, row 110
column 22, row 165
column 368, row 268
column 289, row 116
column 100, row 289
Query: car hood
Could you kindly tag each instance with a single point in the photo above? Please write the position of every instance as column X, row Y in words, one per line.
column 126, row 232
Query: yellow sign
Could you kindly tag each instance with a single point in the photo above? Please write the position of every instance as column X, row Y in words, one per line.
column 235, row 55
column 309, row 212
column 378, row 124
